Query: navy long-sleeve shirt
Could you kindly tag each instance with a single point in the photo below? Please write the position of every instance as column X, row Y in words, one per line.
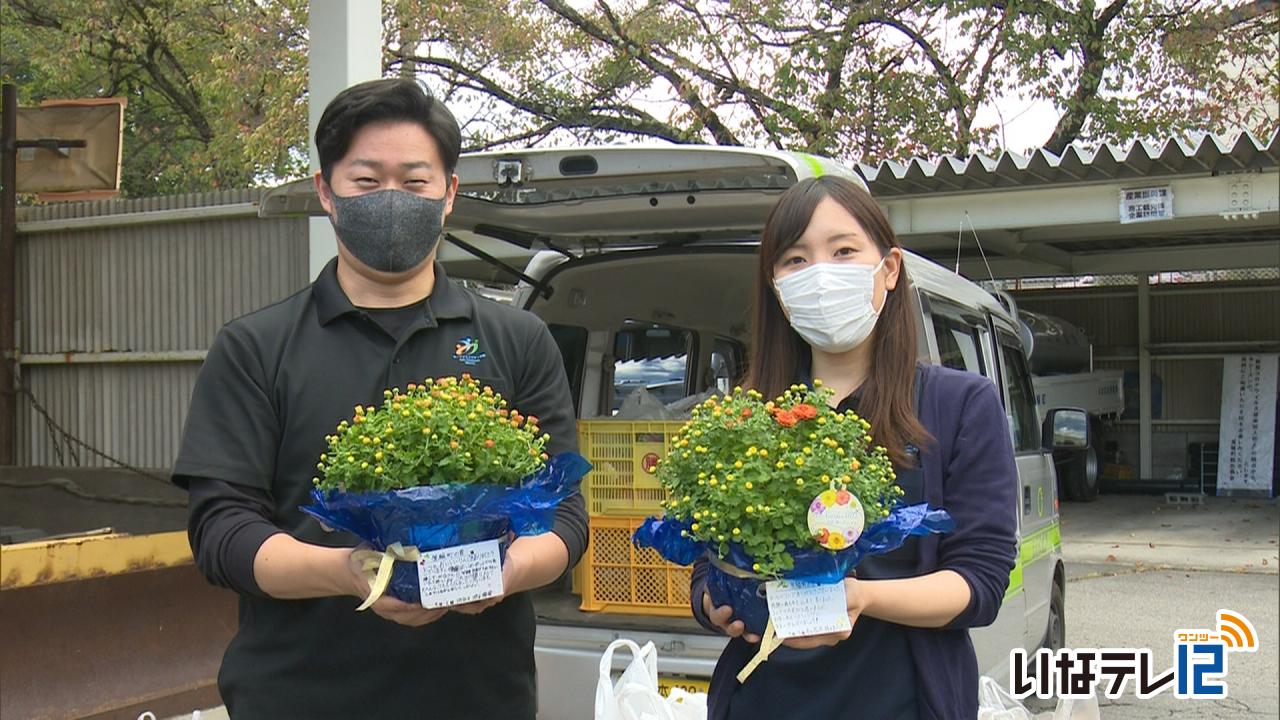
column 969, row 470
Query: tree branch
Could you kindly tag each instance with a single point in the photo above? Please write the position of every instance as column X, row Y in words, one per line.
column 834, row 64
column 752, row 103
column 541, row 133
column 640, row 124
column 955, row 93
column 1093, row 52
column 29, row 13
column 685, row 89
column 619, row 41
column 186, row 105
column 984, row 75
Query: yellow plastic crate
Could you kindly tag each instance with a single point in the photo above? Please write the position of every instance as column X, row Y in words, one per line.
column 575, row 584
column 623, row 456
column 619, row 577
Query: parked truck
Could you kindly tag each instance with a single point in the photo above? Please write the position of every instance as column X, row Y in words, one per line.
column 1063, row 376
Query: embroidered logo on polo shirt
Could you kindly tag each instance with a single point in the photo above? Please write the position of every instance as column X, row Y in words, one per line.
column 467, row 351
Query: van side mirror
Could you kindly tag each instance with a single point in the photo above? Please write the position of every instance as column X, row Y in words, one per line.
column 1067, row 429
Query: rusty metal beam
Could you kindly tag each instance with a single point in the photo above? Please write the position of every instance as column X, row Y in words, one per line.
column 54, row 561
column 111, row 645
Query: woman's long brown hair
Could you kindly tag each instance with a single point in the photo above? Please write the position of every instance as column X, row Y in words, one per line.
column 777, row 351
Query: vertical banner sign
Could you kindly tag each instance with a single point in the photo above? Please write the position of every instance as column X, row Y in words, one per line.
column 1247, row 437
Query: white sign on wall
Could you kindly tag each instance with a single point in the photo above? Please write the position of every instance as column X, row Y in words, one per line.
column 1247, row 437
column 1146, row 204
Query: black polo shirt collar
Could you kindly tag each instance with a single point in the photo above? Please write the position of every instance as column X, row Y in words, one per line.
column 804, row 376
column 446, row 301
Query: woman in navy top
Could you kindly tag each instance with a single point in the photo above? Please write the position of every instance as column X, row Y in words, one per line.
column 832, row 302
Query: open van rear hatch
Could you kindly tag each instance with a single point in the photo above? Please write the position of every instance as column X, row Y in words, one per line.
column 511, row 204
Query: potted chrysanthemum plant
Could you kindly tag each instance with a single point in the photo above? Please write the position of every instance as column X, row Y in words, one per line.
column 441, row 464
column 778, row 489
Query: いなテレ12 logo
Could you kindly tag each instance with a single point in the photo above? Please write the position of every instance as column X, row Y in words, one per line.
column 1199, row 671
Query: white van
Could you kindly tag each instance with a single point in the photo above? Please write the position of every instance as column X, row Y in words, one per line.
column 641, row 260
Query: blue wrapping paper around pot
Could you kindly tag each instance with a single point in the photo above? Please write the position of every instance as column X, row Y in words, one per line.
column 731, row 582
column 431, row 517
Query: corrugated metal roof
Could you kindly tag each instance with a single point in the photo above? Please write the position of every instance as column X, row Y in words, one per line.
column 98, row 208
column 1194, row 153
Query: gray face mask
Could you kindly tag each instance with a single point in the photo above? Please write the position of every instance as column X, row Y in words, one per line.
column 389, row 230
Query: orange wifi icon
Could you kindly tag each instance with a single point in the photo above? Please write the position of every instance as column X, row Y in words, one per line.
column 1236, row 631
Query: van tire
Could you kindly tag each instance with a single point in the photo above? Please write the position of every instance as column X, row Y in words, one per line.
column 1055, row 634
column 1055, row 638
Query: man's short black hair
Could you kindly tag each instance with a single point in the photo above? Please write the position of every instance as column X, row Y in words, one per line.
column 388, row 100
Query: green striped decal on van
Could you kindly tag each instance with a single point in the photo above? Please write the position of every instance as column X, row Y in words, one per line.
column 1015, row 581
column 814, row 164
column 1035, row 546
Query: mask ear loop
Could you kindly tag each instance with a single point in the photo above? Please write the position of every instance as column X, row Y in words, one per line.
column 875, row 271
column 777, row 295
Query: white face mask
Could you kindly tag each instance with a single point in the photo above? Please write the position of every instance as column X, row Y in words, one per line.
column 831, row 304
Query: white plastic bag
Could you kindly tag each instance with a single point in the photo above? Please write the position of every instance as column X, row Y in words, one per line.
column 635, row 695
column 642, row 405
column 995, row 703
column 686, row 705
column 1086, row 709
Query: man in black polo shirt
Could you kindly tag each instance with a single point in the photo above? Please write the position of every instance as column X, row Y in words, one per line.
column 381, row 315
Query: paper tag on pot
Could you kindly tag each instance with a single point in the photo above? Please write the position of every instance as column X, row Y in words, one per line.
column 802, row 608
column 461, row 574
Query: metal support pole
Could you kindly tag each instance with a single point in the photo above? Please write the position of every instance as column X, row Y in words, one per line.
column 1144, row 377
column 8, row 277
column 346, row 48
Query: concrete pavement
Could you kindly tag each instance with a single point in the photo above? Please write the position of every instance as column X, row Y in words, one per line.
column 1224, row 534
column 1139, row 569
column 1130, row 608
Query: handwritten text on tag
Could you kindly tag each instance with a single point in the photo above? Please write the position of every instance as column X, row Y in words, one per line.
column 800, row 608
column 458, row 575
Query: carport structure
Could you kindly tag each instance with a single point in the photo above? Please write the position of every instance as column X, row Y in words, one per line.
column 1208, row 209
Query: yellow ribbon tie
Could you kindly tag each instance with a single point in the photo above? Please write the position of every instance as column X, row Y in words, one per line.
column 768, row 644
column 383, row 562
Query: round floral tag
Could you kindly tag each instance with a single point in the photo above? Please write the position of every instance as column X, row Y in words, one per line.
column 836, row 519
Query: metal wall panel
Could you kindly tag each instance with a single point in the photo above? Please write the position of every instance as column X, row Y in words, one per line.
column 158, row 287
column 98, row 208
column 1197, row 314
column 1234, row 315
column 1109, row 318
column 131, row 411
column 1191, row 389
column 152, row 288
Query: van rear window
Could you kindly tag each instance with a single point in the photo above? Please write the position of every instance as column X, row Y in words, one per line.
column 653, row 358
